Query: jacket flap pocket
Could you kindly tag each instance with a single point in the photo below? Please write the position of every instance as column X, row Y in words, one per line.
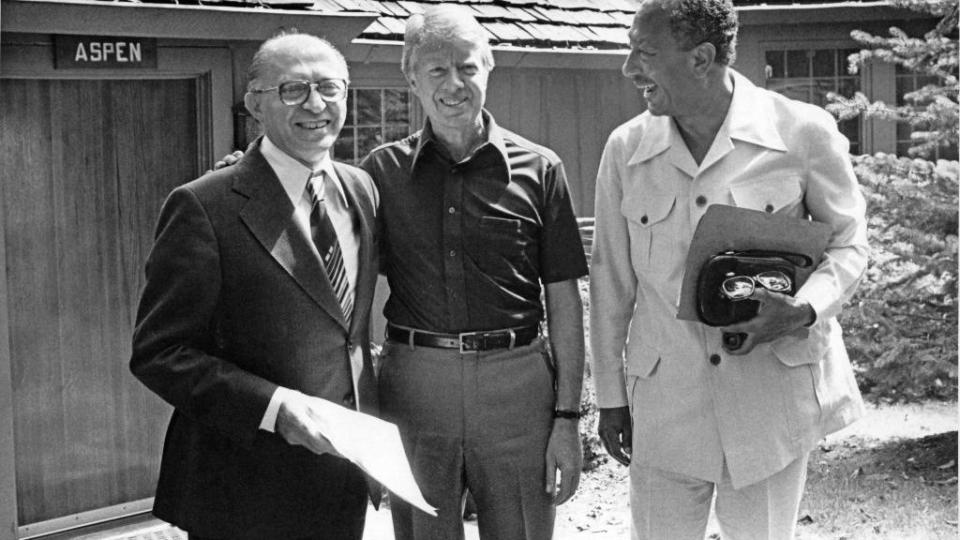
column 768, row 194
column 642, row 361
column 647, row 209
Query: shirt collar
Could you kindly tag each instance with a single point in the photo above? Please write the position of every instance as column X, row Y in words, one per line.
column 293, row 175
column 750, row 118
column 494, row 135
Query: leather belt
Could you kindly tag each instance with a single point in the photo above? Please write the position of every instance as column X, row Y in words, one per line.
column 466, row 341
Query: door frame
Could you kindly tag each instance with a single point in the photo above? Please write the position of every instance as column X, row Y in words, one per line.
column 212, row 68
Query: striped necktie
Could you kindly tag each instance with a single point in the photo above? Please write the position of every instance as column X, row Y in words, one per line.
column 325, row 238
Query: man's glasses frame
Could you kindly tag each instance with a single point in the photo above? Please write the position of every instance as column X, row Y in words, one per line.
column 293, row 93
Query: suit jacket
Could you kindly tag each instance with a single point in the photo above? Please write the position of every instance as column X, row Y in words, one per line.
column 696, row 408
column 236, row 303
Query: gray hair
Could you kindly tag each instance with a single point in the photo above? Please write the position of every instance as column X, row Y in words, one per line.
column 439, row 25
column 263, row 58
column 693, row 22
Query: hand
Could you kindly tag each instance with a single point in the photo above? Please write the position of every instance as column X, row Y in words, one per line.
column 297, row 424
column 779, row 314
column 228, row 160
column 616, row 432
column 564, row 453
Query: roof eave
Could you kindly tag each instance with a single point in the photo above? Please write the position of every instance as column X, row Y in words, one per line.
column 174, row 21
column 824, row 13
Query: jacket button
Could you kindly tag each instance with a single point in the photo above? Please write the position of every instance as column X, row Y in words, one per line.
column 349, row 401
column 715, row 359
column 701, row 200
column 768, row 208
column 643, row 220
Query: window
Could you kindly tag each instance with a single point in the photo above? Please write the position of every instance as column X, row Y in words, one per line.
column 374, row 116
column 809, row 74
column 908, row 81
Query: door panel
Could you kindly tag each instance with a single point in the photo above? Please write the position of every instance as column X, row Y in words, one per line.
column 86, row 165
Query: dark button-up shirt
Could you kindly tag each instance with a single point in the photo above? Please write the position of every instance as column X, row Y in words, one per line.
column 467, row 244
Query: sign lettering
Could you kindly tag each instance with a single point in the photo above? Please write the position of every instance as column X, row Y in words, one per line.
column 85, row 52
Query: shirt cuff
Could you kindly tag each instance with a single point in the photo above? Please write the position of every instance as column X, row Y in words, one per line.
column 269, row 421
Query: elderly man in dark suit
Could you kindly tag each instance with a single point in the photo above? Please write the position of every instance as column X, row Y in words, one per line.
column 256, row 308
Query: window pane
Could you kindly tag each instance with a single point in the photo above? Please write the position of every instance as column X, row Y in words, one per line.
column 851, row 129
column 343, row 148
column 395, row 133
column 775, row 65
column 367, row 139
column 848, row 86
column 351, row 100
column 824, row 63
column 368, row 107
column 395, row 106
column 798, row 64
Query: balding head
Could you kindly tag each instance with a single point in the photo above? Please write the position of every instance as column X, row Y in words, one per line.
column 287, row 46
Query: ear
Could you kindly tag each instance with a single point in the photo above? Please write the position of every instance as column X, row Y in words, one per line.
column 702, row 57
column 252, row 102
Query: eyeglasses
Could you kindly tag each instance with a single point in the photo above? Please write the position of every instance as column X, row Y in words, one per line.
column 742, row 287
column 298, row 92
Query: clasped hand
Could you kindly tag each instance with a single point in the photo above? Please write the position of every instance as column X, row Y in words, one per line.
column 779, row 315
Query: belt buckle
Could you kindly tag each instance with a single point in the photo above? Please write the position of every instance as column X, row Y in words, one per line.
column 464, row 335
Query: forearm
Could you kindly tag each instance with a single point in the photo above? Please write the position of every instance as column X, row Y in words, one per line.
column 565, row 324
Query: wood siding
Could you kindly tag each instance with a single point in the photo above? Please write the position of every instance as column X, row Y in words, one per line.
column 86, row 166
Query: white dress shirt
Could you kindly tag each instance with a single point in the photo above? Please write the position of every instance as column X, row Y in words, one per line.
column 293, row 176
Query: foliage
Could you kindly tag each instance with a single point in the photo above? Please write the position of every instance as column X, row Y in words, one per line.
column 930, row 111
column 902, row 324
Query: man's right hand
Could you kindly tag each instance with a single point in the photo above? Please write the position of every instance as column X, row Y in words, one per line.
column 297, row 424
column 616, row 431
column 228, row 160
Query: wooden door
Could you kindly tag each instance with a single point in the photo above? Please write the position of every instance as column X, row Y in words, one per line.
column 86, row 166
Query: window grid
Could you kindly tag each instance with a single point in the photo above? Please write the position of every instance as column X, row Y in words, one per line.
column 908, row 81
column 809, row 74
column 374, row 116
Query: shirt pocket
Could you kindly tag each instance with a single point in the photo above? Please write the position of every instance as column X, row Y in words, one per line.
column 769, row 194
column 650, row 239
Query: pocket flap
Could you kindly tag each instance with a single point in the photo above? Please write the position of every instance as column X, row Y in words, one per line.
column 768, row 194
column 647, row 209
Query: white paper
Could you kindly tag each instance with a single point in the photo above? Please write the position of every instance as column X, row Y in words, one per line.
column 373, row 445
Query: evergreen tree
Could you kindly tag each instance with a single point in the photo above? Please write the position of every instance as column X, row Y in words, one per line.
column 903, row 322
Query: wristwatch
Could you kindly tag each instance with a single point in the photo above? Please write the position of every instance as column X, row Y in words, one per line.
column 566, row 413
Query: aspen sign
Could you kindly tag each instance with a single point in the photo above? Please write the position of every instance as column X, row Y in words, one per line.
column 113, row 52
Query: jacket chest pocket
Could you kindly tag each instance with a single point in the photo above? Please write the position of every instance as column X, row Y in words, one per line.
column 651, row 241
column 770, row 194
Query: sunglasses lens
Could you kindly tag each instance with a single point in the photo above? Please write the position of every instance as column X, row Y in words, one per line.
column 737, row 288
column 294, row 92
column 774, row 281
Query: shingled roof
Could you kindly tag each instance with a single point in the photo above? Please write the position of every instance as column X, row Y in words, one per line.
column 540, row 24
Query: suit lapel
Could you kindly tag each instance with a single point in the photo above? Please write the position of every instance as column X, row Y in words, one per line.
column 269, row 215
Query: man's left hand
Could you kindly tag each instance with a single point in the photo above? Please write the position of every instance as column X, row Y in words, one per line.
column 779, row 315
column 565, row 454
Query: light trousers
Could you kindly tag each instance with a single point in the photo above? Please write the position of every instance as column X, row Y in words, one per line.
column 671, row 506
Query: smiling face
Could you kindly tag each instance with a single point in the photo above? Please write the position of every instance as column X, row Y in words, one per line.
column 307, row 131
column 658, row 65
column 450, row 80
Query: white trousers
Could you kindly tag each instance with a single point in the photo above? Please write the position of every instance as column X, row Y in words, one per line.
column 672, row 506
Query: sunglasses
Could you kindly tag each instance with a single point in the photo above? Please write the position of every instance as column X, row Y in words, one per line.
column 298, row 92
column 742, row 287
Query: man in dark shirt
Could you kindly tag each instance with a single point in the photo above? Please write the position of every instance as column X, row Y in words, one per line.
column 475, row 218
